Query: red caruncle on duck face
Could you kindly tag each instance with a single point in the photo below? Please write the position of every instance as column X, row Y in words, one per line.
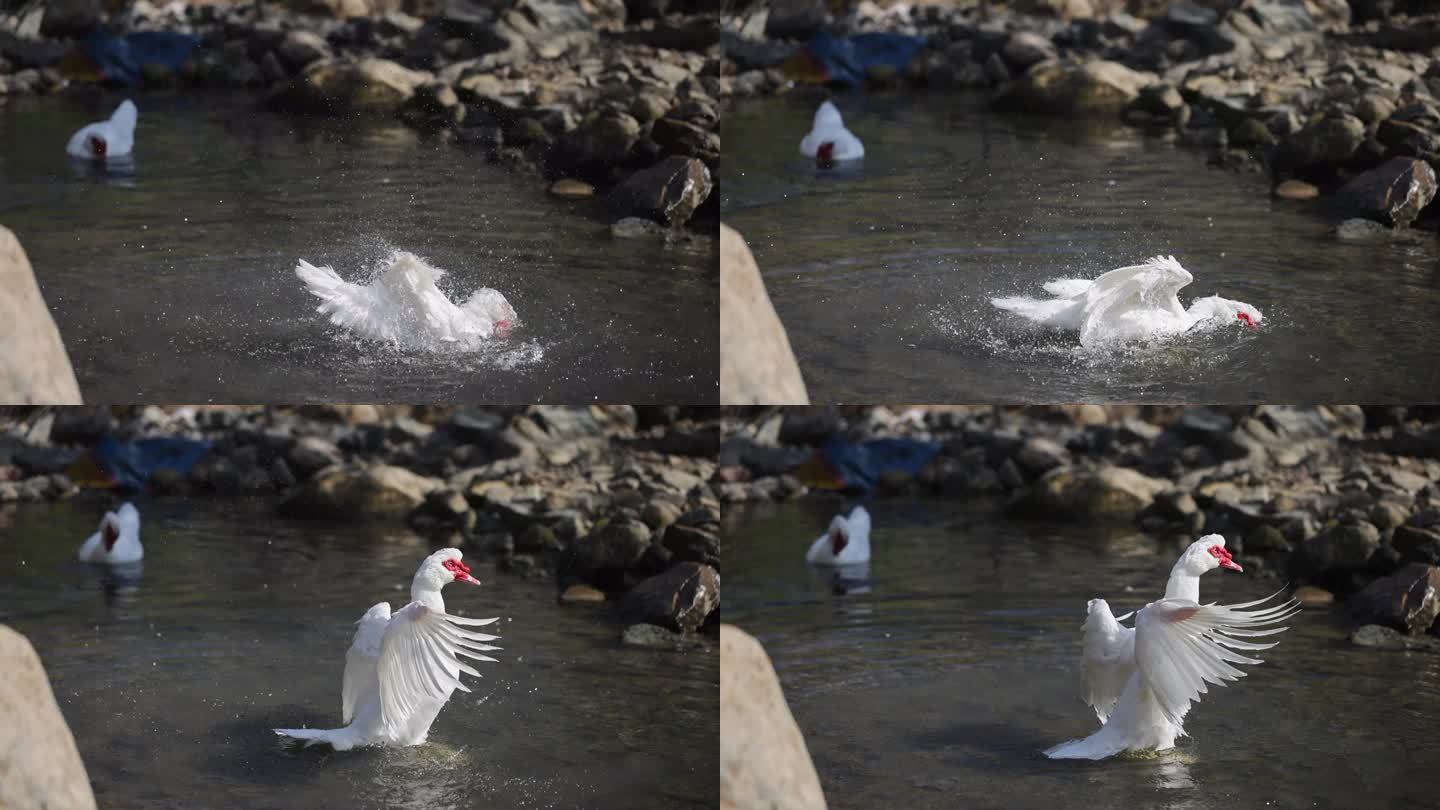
column 461, row 571
column 1219, row 553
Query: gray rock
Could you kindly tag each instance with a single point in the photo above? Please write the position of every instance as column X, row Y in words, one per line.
column 756, row 363
column 1407, row 600
column 1384, row 638
column 40, row 766
column 1026, row 48
column 300, row 48
column 1039, row 455
column 34, row 368
column 311, row 454
column 1362, row 230
column 379, row 492
column 637, row 228
column 1327, row 142
column 681, row 598
column 658, row 638
column 1342, row 547
column 693, row 543
column 1394, row 193
column 1069, row 89
column 669, row 192
column 599, row 143
column 1416, row 544
column 1106, row 492
column 614, row 544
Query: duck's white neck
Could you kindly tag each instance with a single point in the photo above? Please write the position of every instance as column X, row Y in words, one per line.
column 1182, row 585
column 426, row 594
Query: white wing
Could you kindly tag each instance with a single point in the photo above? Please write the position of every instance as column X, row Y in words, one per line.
column 1180, row 646
column 350, row 306
column 360, row 661
column 1108, row 660
column 1067, row 287
column 420, row 660
column 79, row 145
column 1154, row 285
column 122, row 128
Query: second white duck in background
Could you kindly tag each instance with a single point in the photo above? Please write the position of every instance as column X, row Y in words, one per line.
column 117, row 541
column 403, row 307
column 106, row 140
column 829, row 142
column 846, row 542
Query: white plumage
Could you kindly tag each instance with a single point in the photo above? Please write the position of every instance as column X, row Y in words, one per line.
column 1130, row 303
column 828, row 140
column 846, row 542
column 117, row 540
column 1141, row 680
column 106, row 140
column 403, row 307
column 401, row 669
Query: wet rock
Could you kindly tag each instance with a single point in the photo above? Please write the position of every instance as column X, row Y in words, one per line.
column 1394, row 193
column 686, row 139
column 637, row 228
column 1310, row 596
column 1297, row 190
column 1251, row 132
column 669, row 192
column 693, row 543
column 681, row 598
column 1025, row 48
column 301, row 48
column 763, row 759
column 1105, row 492
column 598, row 144
column 34, row 368
column 312, row 454
column 1362, row 230
column 614, row 544
column 537, row 539
column 795, row 19
column 756, row 363
column 572, row 189
column 658, row 638
column 379, row 492
column 69, row 18
column 40, row 766
column 1325, row 143
column 1407, row 600
column 1039, row 455
column 344, row 87
column 1070, row 89
column 581, row 594
column 1385, row 638
column 1342, row 547
column 1416, row 544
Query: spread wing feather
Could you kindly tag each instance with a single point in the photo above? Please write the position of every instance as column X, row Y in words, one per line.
column 360, row 660
column 420, row 659
column 1181, row 646
column 1108, row 660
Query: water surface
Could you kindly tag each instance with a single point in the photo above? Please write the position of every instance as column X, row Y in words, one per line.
column 941, row 686
column 176, row 282
column 239, row 623
column 883, row 274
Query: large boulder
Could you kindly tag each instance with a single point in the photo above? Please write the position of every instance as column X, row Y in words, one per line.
column 1324, row 143
column 1338, row 549
column 1059, row 88
column 757, row 366
column 40, row 766
column 379, row 492
column 1105, row 492
column 346, row 87
column 669, row 191
column 681, row 598
column 34, row 368
column 763, row 759
column 1407, row 600
column 1394, row 193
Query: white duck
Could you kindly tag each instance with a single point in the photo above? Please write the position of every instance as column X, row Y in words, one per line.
column 829, row 141
column 106, row 140
column 1142, row 680
column 117, row 541
column 401, row 669
column 402, row 306
column 1129, row 303
column 846, row 542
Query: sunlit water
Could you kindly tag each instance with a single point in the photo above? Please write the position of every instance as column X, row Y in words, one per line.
column 940, row 687
column 177, row 280
column 883, row 274
column 239, row 624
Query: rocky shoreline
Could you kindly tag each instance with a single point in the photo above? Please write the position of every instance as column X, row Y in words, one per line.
column 1333, row 101
column 611, row 503
column 1341, row 502
column 619, row 97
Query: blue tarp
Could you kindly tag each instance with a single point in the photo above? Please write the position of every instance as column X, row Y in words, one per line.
column 860, row 466
column 119, row 58
column 130, row 464
column 843, row 60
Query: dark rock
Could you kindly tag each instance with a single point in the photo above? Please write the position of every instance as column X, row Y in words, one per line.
column 795, row 19
column 1407, row 600
column 1106, row 492
column 614, row 544
column 69, row 18
column 684, row 138
column 81, row 425
column 1325, row 143
column 669, row 191
column 1415, row 544
column 380, row 492
column 680, row 598
column 649, row 635
column 1338, row 548
column 1025, row 48
column 1394, row 193
column 311, row 454
column 1374, row 635
column 301, row 48
column 598, row 145
column 693, row 544
column 1039, row 455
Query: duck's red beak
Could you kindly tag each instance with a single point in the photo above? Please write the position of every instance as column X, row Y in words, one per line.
column 1226, row 561
column 461, row 571
column 839, row 539
column 98, row 147
column 1244, row 317
column 109, row 534
column 825, row 155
